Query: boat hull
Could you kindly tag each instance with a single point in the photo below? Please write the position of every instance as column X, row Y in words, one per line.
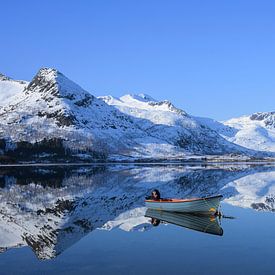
column 203, row 223
column 202, row 205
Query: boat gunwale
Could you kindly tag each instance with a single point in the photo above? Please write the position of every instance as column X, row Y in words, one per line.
column 182, row 200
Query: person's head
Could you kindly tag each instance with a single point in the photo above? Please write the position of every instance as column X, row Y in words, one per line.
column 155, row 222
column 156, row 194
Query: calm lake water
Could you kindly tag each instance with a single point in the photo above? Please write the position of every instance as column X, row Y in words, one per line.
column 91, row 220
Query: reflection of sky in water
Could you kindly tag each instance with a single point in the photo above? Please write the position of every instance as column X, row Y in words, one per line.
column 247, row 244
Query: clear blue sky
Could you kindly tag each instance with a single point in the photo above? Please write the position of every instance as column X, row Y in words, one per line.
column 210, row 58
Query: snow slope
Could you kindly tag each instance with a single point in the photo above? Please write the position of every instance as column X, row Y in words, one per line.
column 162, row 120
column 9, row 88
column 256, row 131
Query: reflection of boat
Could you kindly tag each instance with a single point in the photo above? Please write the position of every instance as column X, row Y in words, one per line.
column 203, row 223
column 201, row 205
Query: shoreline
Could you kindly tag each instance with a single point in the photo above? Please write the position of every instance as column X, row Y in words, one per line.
column 138, row 163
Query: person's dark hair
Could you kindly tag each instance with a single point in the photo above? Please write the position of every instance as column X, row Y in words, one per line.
column 157, row 192
column 155, row 222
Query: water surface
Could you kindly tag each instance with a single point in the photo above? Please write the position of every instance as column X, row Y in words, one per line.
column 91, row 220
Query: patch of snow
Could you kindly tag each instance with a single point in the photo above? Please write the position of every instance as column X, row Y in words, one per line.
column 256, row 131
column 9, row 88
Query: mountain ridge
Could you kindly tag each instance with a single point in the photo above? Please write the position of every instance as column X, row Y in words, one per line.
column 131, row 127
column 10, row 87
column 251, row 131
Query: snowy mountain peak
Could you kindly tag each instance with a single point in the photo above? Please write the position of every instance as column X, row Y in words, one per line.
column 169, row 106
column 138, row 97
column 9, row 88
column 50, row 96
column 42, row 80
column 52, row 82
column 48, row 73
column 4, row 77
column 250, row 131
column 52, row 102
column 146, row 97
column 146, row 102
column 268, row 118
column 109, row 99
column 261, row 115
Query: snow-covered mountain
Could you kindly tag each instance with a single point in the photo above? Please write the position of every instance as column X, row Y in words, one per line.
column 162, row 120
column 54, row 107
column 9, row 88
column 53, row 112
column 54, row 100
column 256, row 131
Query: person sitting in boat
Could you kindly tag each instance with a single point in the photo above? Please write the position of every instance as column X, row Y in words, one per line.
column 155, row 195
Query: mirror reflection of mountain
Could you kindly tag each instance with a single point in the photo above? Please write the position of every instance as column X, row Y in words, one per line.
column 51, row 208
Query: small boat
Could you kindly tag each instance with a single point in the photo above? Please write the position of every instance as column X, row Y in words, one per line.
column 197, row 205
column 203, row 223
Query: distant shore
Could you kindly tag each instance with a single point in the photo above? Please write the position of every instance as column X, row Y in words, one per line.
column 150, row 163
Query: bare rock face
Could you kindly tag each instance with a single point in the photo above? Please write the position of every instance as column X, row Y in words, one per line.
column 4, row 77
column 169, row 106
column 55, row 90
column 268, row 118
column 51, row 83
column 267, row 205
